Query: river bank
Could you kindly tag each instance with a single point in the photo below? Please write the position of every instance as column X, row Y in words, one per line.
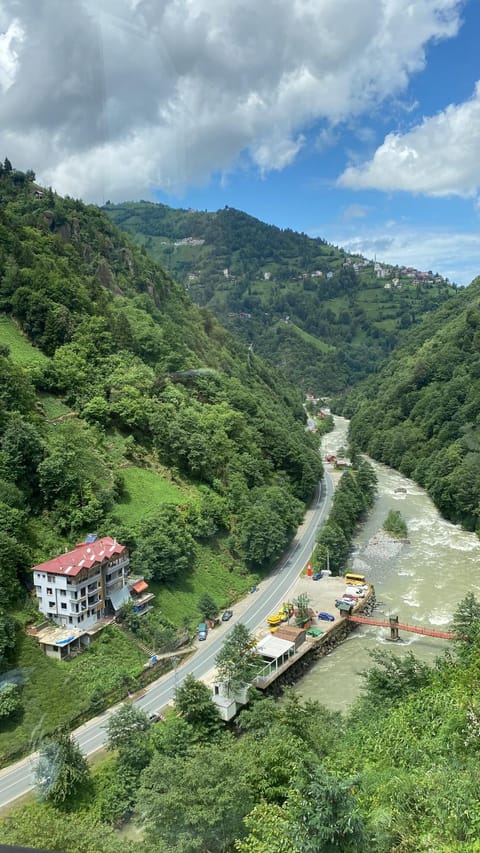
column 421, row 581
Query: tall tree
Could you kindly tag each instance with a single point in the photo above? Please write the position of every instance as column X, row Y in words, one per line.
column 194, row 701
column 61, row 769
column 235, row 659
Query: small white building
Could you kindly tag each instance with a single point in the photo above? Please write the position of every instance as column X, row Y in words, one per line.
column 275, row 653
column 229, row 702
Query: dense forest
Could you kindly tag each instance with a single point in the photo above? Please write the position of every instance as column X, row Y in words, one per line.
column 397, row 774
column 326, row 318
column 128, row 411
column 420, row 413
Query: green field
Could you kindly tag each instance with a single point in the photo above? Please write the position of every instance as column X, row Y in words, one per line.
column 145, row 489
column 55, row 692
column 215, row 573
column 21, row 350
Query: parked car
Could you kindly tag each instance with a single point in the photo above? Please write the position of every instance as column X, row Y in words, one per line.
column 344, row 602
column 327, row 617
column 156, row 717
column 202, row 631
column 317, row 576
column 226, row 615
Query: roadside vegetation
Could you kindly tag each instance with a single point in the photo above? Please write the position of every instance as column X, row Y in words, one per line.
column 353, row 497
column 294, row 778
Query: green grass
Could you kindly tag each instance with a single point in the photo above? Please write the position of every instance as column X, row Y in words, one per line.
column 319, row 345
column 145, row 489
column 54, row 692
column 216, row 573
column 22, row 352
column 53, row 406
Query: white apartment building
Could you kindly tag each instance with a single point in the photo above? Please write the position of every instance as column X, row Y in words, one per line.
column 80, row 587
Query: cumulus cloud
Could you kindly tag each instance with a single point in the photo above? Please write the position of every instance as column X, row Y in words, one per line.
column 118, row 98
column 438, row 158
column 453, row 254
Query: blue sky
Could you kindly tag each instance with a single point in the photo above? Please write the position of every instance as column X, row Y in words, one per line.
column 355, row 121
column 428, row 231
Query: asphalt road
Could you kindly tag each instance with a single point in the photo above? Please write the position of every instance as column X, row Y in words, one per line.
column 18, row 779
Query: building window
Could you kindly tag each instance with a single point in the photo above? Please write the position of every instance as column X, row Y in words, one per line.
column 70, row 620
column 63, row 592
column 49, row 590
column 63, row 605
column 51, row 578
column 82, row 591
column 51, row 604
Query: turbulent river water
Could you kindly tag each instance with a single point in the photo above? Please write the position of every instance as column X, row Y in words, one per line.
column 422, row 581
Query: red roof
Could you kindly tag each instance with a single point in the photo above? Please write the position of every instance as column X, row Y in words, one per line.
column 140, row 586
column 83, row 556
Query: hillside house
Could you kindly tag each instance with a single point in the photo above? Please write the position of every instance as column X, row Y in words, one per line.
column 83, row 589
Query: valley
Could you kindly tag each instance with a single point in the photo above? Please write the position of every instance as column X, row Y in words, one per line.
column 127, row 411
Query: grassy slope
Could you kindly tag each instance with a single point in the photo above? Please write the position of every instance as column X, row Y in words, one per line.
column 22, row 352
column 55, row 693
column 145, row 489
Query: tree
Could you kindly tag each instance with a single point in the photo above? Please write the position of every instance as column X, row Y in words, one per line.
column 323, row 813
column 235, row 659
column 303, row 610
column 208, row 607
column 23, row 452
column 393, row 676
column 126, row 727
column 466, row 619
column 10, row 700
column 165, row 546
column 7, row 634
column 194, row 701
column 61, row 769
column 269, row 829
column 395, row 524
column 196, row 803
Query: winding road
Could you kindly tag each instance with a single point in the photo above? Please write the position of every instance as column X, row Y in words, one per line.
column 18, row 779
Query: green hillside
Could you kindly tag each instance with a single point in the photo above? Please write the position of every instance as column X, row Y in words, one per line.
column 421, row 413
column 265, row 284
column 128, row 411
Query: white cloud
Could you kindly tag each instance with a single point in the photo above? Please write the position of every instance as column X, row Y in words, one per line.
column 8, row 53
column 440, row 157
column 355, row 211
column 146, row 94
column 455, row 255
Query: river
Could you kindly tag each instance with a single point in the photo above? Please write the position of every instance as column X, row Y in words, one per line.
column 422, row 582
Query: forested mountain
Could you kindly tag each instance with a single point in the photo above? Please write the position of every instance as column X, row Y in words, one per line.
column 127, row 410
column 325, row 317
column 421, row 412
